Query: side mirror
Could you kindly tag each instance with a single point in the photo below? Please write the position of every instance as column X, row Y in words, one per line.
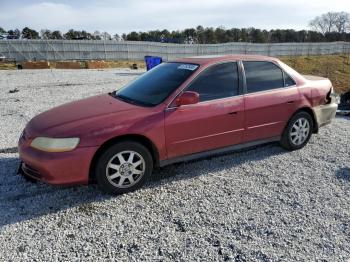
column 187, row 98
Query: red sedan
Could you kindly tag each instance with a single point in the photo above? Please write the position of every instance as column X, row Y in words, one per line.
column 178, row 111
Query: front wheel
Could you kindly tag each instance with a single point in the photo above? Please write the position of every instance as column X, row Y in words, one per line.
column 298, row 131
column 123, row 167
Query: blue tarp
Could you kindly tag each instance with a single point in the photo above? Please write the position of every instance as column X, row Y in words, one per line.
column 152, row 61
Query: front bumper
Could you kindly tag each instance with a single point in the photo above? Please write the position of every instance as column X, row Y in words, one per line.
column 64, row 168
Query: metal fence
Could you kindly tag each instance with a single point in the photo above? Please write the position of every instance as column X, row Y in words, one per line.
column 55, row 50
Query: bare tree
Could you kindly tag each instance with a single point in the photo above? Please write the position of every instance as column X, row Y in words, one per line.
column 318, row 24
column 97, row 35
column 342, row 22
column 105, row 36
column 330, row 18
column 117, row 37
column 331, row 22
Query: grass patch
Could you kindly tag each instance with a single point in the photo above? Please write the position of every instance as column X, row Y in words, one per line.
column 125, row 64
column 7, row 66
column 334, row 67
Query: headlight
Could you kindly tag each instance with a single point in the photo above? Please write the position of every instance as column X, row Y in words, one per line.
column 55, row 144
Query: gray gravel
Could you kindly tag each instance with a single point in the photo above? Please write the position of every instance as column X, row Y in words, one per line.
column 262, row 204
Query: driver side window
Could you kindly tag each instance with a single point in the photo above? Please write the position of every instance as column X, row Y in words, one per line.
column 218, row 81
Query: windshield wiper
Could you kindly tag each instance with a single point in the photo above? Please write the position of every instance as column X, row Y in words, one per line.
column 130, row 100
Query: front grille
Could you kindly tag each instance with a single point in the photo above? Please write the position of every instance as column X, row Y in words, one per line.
column 30, row 171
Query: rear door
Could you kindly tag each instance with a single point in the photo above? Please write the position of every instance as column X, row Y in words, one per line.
column 216, row 121
column 270, row 100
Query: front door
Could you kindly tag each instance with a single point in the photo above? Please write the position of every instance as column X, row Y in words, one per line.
column 216, row 121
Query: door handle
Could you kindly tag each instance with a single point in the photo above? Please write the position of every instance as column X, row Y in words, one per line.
column 232, row 113
column 290, row 102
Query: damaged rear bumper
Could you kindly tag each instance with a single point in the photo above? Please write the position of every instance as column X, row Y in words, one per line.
column 325, row 113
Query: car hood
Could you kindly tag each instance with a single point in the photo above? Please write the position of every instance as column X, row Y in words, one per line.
column 77, row 112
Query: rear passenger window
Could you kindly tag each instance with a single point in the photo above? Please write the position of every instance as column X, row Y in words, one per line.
column 216, row 82
column 261, row 76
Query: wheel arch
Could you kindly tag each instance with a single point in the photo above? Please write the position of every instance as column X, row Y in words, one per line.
column 312, row 114
column 132, row 137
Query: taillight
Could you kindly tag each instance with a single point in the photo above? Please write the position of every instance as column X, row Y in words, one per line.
column 332, row 97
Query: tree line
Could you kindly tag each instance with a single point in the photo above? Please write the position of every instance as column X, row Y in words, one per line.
column 28, row 33
column 329, row 27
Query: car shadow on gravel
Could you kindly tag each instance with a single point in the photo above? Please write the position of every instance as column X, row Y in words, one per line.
column 21, row 200
column 214, row 164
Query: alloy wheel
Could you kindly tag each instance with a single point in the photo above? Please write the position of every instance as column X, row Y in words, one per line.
column 300, row 131
column 125, row 169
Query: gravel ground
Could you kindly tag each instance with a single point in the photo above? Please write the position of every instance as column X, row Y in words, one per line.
column 262, row 204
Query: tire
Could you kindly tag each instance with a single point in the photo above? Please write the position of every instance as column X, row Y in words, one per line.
column 117, row 172
column 294, row 138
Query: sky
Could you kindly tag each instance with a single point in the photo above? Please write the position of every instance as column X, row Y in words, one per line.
column 123, row 16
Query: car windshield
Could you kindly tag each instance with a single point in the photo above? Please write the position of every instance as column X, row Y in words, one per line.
column 156, row 85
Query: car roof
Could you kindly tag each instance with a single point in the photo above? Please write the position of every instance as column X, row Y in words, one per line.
column 210, row 59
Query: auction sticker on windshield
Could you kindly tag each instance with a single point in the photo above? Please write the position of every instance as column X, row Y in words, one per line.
column 187, row 67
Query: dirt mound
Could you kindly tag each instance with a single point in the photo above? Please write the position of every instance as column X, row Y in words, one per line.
column 68, row 65
column 96, row 64
column 36, row 65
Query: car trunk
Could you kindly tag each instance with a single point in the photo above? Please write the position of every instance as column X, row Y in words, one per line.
column 314, row 78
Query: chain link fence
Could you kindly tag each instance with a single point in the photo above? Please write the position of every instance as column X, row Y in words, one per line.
column 58, row 50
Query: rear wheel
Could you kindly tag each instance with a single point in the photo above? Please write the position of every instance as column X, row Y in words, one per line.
column 298, row 131
column 123, row 167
